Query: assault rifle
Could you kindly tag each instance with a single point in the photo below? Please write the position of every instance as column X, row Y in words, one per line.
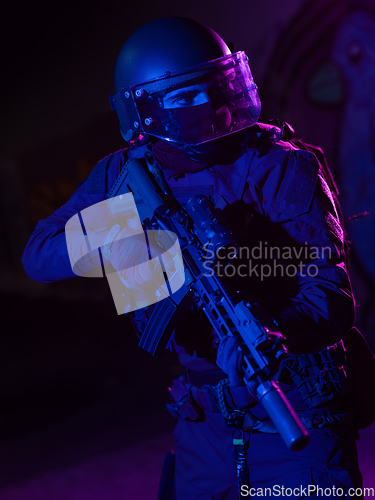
column 196, row 226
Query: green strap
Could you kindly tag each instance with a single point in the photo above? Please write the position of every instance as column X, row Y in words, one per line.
column 240, row 448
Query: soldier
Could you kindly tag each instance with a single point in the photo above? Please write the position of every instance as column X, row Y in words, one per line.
column 182, row 96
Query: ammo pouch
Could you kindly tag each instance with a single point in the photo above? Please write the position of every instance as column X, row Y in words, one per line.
column 189, row 402
column 321, row 376
column 182, row 403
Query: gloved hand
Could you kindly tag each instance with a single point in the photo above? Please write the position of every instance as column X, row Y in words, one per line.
column 229, row 358
column 141, row 275
column 106, row 230
column 129, row 256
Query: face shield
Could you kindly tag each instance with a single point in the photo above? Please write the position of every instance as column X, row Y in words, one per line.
column 198, row 105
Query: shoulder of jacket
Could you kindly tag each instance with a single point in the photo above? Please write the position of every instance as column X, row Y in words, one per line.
column 274, row 144
column 103, row 172
column 284, row 173
column 115, row 157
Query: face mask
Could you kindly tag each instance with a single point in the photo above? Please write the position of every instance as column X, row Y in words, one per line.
column 223, row 151
column 191, row 159
column 170, row 157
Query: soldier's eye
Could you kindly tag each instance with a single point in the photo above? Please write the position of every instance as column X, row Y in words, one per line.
column 185, row 98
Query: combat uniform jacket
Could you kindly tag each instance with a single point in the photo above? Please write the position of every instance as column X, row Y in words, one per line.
column 283, row 198
column 284, row 188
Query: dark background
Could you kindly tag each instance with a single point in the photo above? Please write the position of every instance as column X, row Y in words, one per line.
column 70, row 369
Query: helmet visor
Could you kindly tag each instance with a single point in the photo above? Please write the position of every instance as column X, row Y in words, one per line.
column 198, row 105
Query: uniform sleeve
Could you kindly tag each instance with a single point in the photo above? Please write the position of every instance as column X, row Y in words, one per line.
column 46, row 257
column 315, row 304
